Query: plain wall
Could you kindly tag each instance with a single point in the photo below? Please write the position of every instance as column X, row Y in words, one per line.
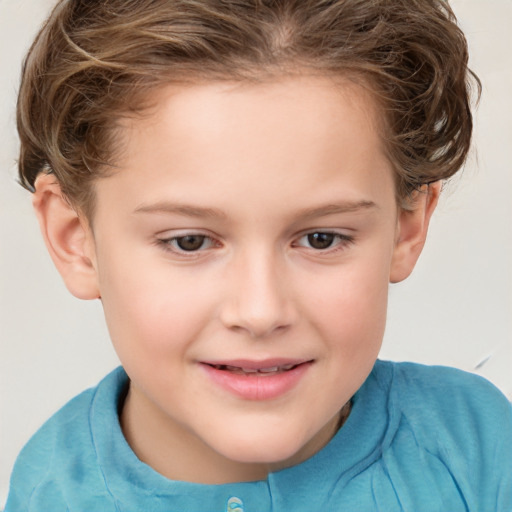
column 456, row 309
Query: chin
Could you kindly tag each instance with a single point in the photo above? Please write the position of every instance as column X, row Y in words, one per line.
column 267, row 449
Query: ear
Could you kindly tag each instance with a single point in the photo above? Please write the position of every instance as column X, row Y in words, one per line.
column 412, row 230
column 68, row 238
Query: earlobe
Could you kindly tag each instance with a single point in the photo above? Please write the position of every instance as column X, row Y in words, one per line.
column 67, row 237
column 412, row 231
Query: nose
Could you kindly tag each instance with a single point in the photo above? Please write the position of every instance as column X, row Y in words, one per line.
column 259, row 300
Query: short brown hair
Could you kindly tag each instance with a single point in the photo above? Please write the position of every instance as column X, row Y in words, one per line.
column 94, row 61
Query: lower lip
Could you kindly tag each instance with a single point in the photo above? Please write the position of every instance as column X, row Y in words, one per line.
column 255, row 386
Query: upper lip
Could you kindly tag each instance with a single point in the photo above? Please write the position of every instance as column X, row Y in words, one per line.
column 251, row 364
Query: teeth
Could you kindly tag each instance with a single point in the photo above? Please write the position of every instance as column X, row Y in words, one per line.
column 248, row 370
column 271, row 369
column 230, row 368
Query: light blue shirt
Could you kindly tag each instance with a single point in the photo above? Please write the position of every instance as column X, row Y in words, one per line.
column 418, row 439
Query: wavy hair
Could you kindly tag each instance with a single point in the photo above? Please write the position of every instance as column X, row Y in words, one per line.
column 95, row 61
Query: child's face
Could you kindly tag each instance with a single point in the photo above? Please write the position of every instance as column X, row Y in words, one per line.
column 249, row 226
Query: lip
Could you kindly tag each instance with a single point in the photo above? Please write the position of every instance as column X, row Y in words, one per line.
column 256, row 385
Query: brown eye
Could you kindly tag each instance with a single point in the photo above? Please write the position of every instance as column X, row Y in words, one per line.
column 321, row 240
column 190, row 242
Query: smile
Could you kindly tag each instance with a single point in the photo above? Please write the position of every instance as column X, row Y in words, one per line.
column 271, row 370
column 257, row 381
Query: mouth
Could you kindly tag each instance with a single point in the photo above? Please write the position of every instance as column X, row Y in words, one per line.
column 265, row 371
column 258, row 380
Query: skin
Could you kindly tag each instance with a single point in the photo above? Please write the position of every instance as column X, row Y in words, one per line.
column 255, row 169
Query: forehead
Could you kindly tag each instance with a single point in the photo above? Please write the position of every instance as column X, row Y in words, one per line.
column 295, row 131
column 313, row 107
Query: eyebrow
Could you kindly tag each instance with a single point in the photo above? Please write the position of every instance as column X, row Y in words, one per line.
column 200, row 212
column 338, row 208
column 180, row 209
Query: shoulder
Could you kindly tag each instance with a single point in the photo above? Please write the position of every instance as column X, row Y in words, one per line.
column 39, row 451
column 60, row 450
column 37, row 461
column 453, row 398
column 461, row 420
column 450, row 392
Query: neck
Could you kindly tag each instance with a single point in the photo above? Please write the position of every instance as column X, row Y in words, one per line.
column 178, row 454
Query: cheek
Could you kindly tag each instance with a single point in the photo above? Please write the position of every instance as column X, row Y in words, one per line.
column 351, row 310
column 150, row 311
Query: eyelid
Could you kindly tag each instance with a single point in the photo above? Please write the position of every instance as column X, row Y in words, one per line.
column 165, row 240
column 167, row 234
column 344, row 240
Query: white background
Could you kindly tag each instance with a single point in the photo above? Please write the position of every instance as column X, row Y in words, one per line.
column 456, row 309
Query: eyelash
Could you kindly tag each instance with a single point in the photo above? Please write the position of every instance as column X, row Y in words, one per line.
column 339, row 243
column 170, row 244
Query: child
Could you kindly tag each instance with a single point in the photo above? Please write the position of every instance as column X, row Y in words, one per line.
column 238, row 182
